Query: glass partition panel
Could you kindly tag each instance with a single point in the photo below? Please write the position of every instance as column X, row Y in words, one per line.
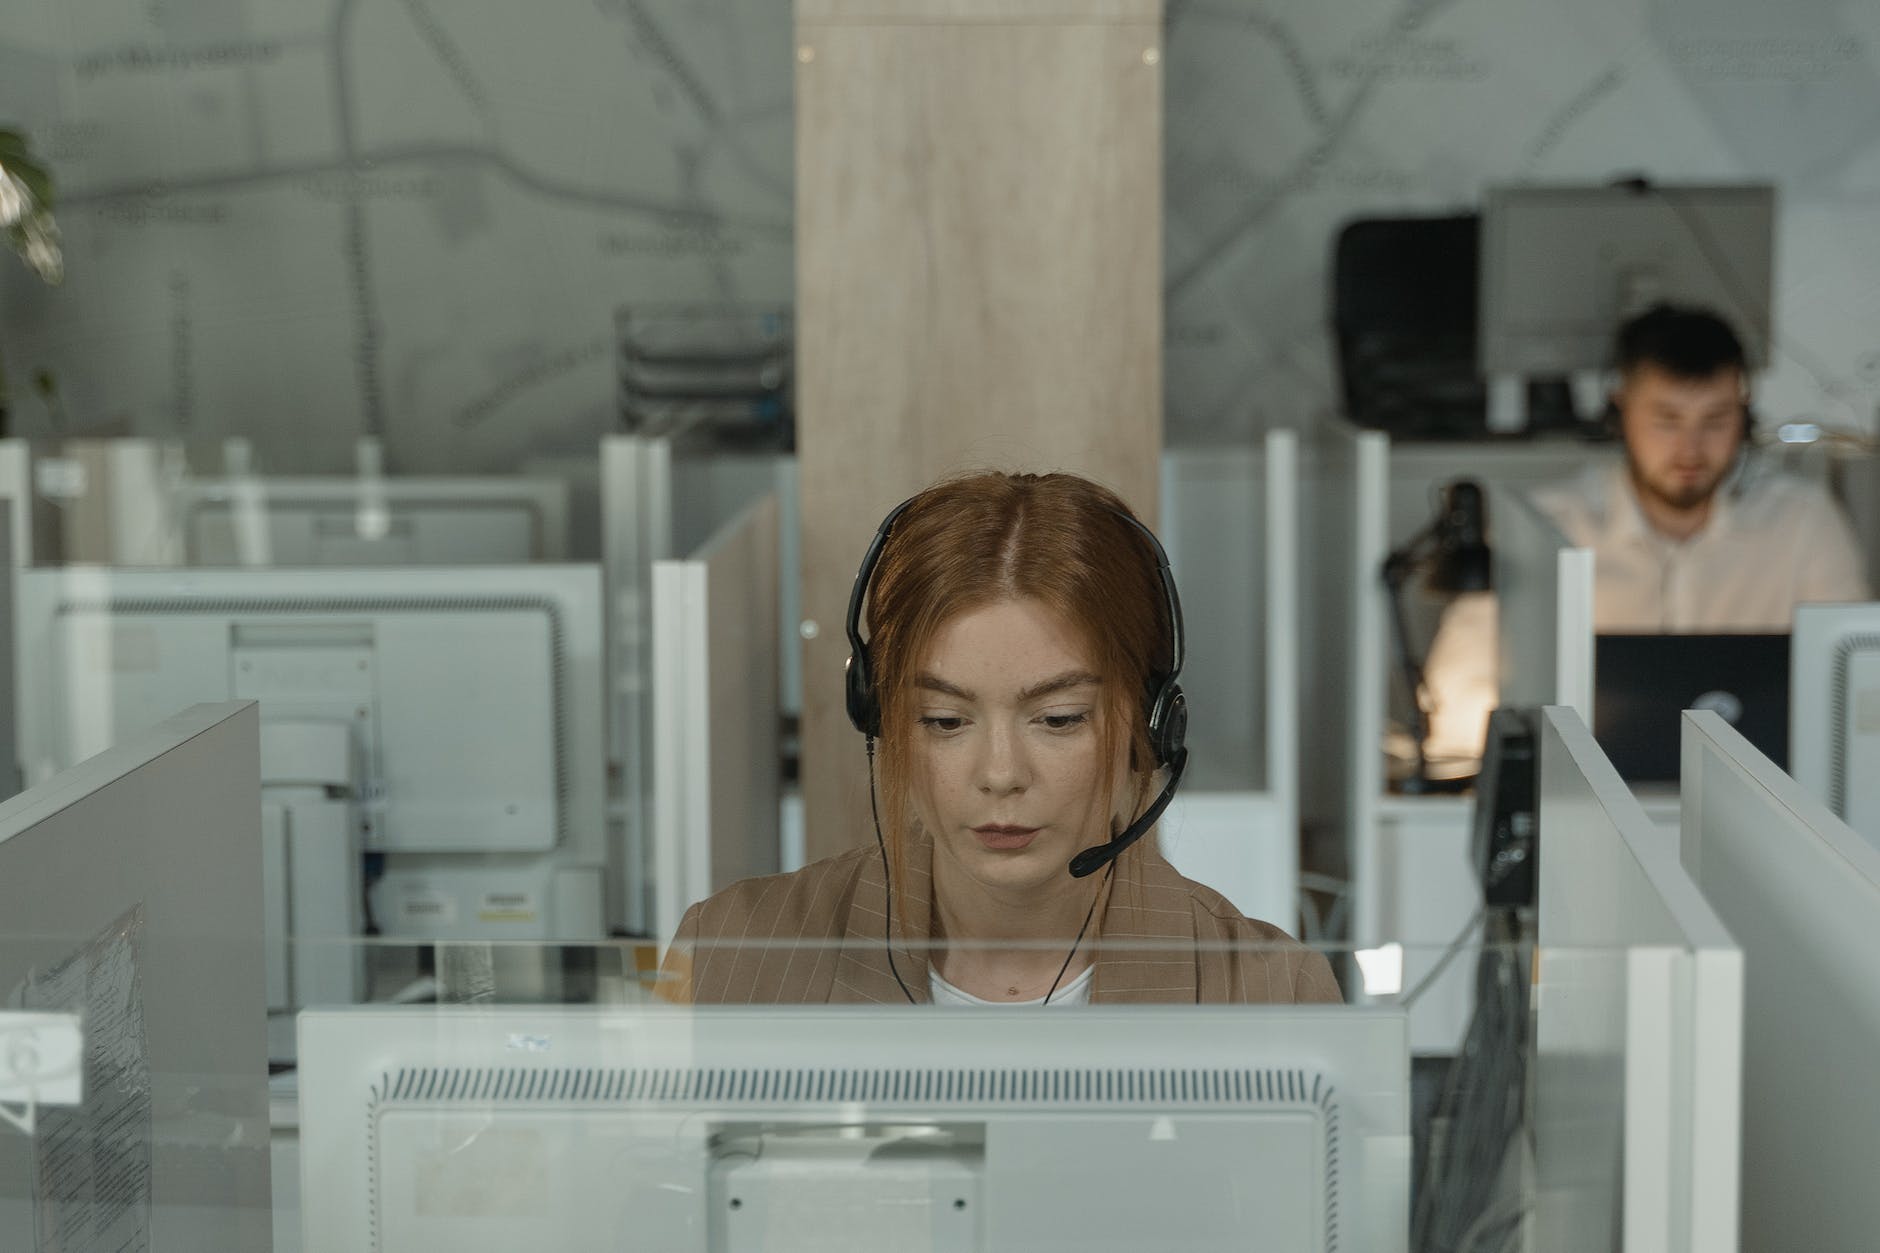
column 1217, row 527
column 495, row 1093
column 493, row 1112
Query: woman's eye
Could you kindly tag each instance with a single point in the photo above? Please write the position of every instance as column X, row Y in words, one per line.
column 1064, row 722
column 944, row 725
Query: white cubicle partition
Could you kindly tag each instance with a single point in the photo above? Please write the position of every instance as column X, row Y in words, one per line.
column 1230, row 523
column 1638, row 1024
column 1544, row 592
column 1800, row 891
column 130, row 891
column 1357, row 515
column 717, row 750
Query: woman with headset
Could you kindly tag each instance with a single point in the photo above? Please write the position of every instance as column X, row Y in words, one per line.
column 1018, row 692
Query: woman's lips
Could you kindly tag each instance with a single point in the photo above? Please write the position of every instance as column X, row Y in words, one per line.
column 1004, row 838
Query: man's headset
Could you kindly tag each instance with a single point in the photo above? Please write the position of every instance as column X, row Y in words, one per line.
column 1167, row 707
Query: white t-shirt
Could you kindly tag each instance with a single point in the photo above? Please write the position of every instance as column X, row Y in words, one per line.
column 1076, row 992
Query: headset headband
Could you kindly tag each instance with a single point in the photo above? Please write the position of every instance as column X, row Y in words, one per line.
column 1166, row 712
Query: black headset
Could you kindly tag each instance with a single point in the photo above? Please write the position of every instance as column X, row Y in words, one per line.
column 1167, row 707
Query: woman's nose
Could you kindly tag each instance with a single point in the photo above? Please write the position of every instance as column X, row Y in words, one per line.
column 1002, row 765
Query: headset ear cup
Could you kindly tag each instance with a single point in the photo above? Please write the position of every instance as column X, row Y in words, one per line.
column 1168, row 723
column 859, row 696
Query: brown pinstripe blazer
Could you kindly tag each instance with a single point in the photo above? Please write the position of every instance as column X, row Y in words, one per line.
column 815, row 936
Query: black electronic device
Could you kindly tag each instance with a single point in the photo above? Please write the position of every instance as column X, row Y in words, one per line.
column 1644, row 683
column 1404, row 299
column 1506, row 840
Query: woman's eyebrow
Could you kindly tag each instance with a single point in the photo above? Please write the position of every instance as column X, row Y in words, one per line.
column 1069, row 679
column 1058, row 683
column 934, row 683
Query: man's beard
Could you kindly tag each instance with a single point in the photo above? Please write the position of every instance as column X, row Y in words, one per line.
column 1679, row 498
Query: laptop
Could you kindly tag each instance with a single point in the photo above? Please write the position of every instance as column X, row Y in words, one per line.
column 1643, row 683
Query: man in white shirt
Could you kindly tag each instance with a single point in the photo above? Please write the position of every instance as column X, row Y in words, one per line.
column 1690, row 534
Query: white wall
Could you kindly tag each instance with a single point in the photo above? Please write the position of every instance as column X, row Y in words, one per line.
column 417, row 217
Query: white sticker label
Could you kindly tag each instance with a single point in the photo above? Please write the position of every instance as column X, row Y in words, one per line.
column 421, row 907
column 1867, row 711
column 508, row 907
column 59, row 478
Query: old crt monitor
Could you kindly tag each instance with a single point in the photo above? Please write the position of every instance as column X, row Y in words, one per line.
column 1643, row 683
column 1281, row 1128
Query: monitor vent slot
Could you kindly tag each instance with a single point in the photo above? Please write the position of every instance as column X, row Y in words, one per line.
column 1157, row 1086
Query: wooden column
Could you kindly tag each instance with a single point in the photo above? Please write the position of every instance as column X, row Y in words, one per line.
column 979, row 273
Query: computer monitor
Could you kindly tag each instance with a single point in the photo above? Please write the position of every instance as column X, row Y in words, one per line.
column 256, row 521
column 128, row 895
column 660, row 1127
column 1644, row 683
column 1801, row 893
column 455, row 714
column 1834, row 711
column 1563, row 266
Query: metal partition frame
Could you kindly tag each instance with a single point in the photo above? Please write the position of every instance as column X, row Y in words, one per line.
column 717, row 751
column 1362, row 502
column 1638, row 1023
column 1800, row 891
column 636, row 531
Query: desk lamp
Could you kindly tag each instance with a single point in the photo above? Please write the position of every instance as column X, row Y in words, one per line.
column 1453, row 556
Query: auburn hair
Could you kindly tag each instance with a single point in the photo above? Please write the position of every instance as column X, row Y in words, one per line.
column 984, row 538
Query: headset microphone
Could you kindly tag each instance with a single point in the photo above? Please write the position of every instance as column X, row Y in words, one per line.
column 1092, row 860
